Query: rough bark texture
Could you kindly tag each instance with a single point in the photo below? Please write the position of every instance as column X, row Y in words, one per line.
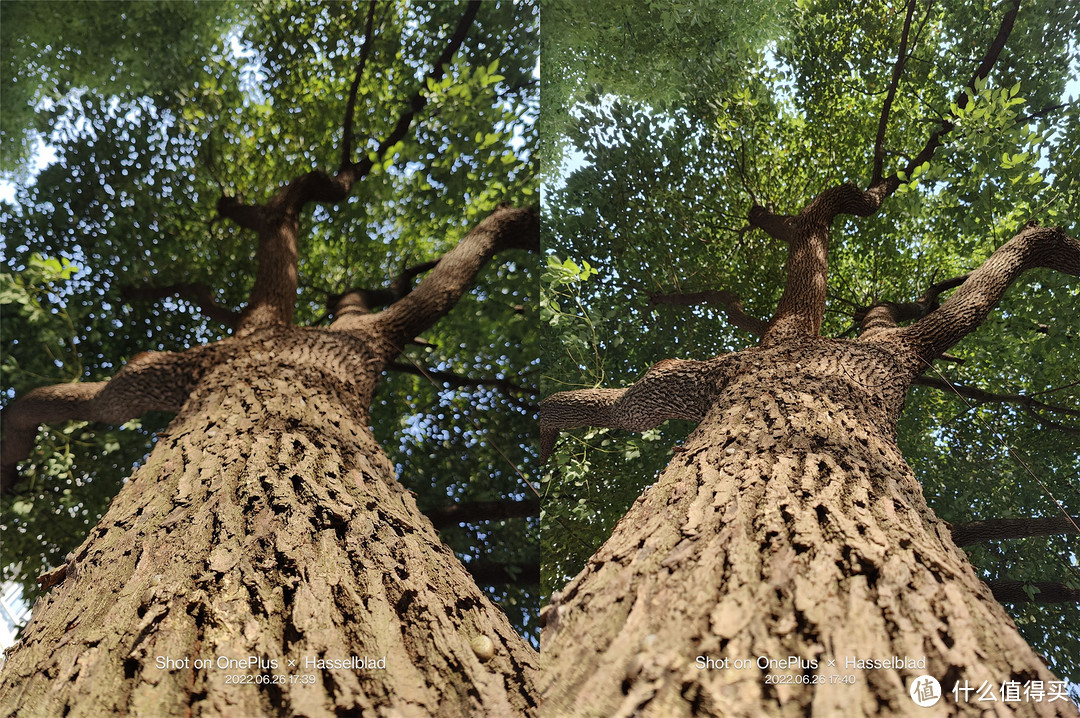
column 789, row 525
column 151, row 381
column 268, row 522
column 788, row 531
column 267, row 526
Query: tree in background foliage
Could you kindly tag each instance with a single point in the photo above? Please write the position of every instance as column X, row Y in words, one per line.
column 609, row 47
column 52, row 49
column 885, row 154
column 251, row 235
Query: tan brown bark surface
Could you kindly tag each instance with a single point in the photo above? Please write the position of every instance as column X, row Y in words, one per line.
column 788, row 526
column 268, row 523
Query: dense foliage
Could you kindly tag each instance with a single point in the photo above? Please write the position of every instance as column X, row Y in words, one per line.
column 255, row 95
column 610, row 47
column 654, row 197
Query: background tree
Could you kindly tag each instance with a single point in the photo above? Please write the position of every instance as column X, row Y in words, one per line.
column 50, row 50
column 587, row 48
column 279, row 217
column 928, row 136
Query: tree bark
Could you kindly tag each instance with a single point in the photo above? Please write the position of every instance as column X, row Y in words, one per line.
column 267, row 526
column 788, row 526
column 788, row 532
column 268, row 523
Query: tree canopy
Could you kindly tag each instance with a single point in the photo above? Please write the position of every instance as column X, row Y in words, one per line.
column 609, row 47
column 120, row 246
column 653, row 255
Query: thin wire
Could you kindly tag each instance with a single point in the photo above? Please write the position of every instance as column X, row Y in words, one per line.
column 1012, row 452
column 495, row 446
column 423, row 372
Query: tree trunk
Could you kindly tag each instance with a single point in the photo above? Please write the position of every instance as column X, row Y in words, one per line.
column 268, row 523
column 788, row 525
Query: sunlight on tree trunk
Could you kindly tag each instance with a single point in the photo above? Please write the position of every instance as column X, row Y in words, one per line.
column 788, row 526
column 268, row 523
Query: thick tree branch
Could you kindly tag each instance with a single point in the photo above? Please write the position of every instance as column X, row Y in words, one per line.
column 894, row 83
column 273, row 296
column 20, row 420
column 843, row 199
column 974, row 532
column 153, row 381
column 886, row 315
column 1006, row 591
column 962, row 313
column 488, row 573
column 733, row 307
column 248, row 216
column 670, row 389
column 802, row 304
column 198, row 294
column 483, row 511
column 505, row 228
column 360, row 300
column 777, row 226
column 1031, row 404
column 350, row 105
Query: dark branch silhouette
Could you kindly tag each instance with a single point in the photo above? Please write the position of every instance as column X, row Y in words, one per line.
column 458, row 381
column 1006, row 591
column 733, row 307
column 1030, row 404
column 974, row 532
column 894, row 83
column 493, row 574
column 350, row 106
column 483, row 511
column 198, row 294
column 364, row 301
